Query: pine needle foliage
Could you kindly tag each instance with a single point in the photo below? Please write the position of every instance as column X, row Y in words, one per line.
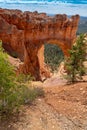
column 75, row 63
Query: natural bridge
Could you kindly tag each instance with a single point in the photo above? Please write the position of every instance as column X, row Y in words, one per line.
column 24, row 34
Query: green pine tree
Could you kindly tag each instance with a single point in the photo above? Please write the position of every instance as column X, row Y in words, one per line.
column 75, row 63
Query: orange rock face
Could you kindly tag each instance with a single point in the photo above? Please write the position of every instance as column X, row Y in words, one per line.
column 24, row 33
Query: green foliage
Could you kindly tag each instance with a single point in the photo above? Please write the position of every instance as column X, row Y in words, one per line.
column 53, row 56
column 22, row 78
column 31, row 94
column 75, row 63
column 13, row 91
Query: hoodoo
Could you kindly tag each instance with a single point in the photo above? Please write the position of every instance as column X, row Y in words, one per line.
column 24, row 33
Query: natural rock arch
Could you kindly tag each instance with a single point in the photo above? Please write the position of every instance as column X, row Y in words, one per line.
column 25, row 33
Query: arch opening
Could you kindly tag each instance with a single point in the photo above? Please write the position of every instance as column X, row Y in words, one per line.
column 53, row 56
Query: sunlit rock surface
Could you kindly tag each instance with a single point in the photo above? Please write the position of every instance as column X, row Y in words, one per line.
column 24, row 34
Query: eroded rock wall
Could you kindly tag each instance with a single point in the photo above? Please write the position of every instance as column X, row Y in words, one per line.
column 25, row 33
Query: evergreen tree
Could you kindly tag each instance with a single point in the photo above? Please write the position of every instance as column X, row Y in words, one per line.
column 75, row 63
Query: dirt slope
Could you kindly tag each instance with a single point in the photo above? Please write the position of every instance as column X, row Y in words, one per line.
column 64, row 107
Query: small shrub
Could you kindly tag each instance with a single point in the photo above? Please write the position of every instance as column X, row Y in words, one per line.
column 22, row 78
column 30, row 94
column 13, row 91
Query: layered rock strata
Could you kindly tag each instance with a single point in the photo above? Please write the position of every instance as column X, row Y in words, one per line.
column 24, row 34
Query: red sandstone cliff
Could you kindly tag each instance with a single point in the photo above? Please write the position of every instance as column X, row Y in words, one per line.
column 25, row 33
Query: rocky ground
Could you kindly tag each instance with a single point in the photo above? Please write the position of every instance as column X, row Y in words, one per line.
column 64, row 107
